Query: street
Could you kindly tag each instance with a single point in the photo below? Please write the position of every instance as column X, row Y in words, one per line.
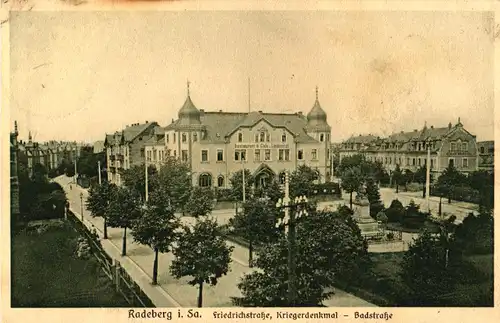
column 183, row 293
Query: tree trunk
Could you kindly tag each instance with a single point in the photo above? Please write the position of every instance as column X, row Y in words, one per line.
column 250, row 253
column 449, row 199
column 350, row 200
column 423, row 192
column 155, row 267
column 397, row 188
column 439, row 211
column 105, row 228
column 124, row 245
column 200, row 295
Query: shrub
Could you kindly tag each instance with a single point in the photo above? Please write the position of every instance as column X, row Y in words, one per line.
column 329, row 188
column 390, row 236
column 414, row 187
column 224, row 195
column 395, row 212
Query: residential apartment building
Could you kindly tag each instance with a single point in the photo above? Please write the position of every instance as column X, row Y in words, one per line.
column 49, row 154
column 14, row 179
column 486, row 152
column 448, row 145
column 127, row 148
column 218, row 144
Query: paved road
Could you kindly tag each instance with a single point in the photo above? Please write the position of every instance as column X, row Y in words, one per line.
column 184, row 294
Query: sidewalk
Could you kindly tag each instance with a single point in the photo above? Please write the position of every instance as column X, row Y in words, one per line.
column 460, row 204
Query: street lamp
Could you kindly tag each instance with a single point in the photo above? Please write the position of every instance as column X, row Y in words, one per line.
column 298, row 208
column 81, row 204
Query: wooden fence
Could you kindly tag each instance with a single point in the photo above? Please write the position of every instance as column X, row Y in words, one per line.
column 122, row 281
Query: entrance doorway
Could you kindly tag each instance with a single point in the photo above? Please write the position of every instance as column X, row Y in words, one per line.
column 263, row 176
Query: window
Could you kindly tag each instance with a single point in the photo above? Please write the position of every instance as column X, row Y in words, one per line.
column 262, row 137
column 300, row 154
column 432, row 163
column 220, row 181
column 328, row 153
column 419, row 162
column 281, row 153
column 482, row 150
column 268, row 137
column 220, row 155
column 240, row 154
column 142, row 153
column 465, row 163
column 464, row 146
column 287, row 154
column 257, row 155
column 322, row 137
column 166, row 138
column 240, row 137
column 184, row 137
column 451, row 162
column 205, row 180
column 413, row 162
column 174, row 138
column 204, row 155
column 283, row 138
column 282, row 177
column 314, row 154
column 195, row 137
column 256, row 137
column 148, row 154
column 453, row 146
column 175, row 153
column 267, row 155
column 184, row 156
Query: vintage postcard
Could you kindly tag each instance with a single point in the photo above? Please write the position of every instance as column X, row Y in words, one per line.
column 233, row 162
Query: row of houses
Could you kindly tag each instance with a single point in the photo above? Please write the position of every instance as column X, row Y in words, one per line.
column 447, row 145
column 50, row 154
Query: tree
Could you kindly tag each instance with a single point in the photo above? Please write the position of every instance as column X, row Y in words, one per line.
column 256, row 224
column 475, row 234
column 202, row 254
column 328, row 251
column 236, row 181
column 98, row 201
column 201, row 202
column 396, row 211
column 135, row 179
column 407, row 177
column 373, row 195
column 427, row 271
column 351, row 181
column 39, row 174
column 122, row 211
column 450, row 178
column 272, row 191
column 157, row 227
column 302, row 180
column 397, row 177
column 175, row 179
column 484, row 183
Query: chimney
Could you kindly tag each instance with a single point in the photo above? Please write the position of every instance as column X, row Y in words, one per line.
column 432, row 127
column 173, row 122
column 220, row 111
column 146, row 121
column 449, row 126
column 415, row 130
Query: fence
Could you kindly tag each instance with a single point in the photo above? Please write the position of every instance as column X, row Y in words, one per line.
column 383, row 237
column 124, row 284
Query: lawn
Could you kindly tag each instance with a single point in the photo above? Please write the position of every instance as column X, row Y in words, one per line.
column 46, row 272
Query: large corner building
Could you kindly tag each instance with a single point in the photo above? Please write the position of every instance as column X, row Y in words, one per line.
column 217, row 144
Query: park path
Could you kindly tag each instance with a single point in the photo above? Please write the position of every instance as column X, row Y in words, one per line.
column 171, row 292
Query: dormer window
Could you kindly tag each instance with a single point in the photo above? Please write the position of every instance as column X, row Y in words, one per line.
column 262, row 136
column 240, row 137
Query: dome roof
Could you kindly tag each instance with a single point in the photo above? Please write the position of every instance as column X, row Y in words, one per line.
column 189, row 114
column 317, row 114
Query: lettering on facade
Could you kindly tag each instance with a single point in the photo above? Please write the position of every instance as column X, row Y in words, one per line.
column 261, row 145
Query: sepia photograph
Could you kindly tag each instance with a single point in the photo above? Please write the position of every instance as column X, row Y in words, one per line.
column 272, row 159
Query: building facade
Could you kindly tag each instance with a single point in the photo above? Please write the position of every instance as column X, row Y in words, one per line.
column 14, row 179
column 486, row 152
column 218, row 144
column 448, row 145
column 126, row 148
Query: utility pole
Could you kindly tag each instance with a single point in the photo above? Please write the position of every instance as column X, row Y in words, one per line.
column 428, row 178
column 146, row 175
column 248, row 95
column 99, row 170
column 74, row 177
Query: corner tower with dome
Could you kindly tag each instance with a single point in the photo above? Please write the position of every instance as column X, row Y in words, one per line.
column 218, row 143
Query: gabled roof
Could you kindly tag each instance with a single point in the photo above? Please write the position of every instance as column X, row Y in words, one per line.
column 131, row 132
column 361, row 139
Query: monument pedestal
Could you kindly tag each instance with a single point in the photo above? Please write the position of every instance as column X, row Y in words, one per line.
column 368, row 226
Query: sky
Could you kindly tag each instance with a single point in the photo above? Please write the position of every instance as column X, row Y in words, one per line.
column 79, row 75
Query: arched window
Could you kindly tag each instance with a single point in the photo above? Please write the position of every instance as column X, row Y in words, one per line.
column 205, row 180
column 240, row 137
column 262, row 136
column 220, row 181
column 195, row 137
column 184, row 137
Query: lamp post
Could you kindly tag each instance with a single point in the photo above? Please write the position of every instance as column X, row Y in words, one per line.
column 298, row 208
column 81, row 204
column 99, row 170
